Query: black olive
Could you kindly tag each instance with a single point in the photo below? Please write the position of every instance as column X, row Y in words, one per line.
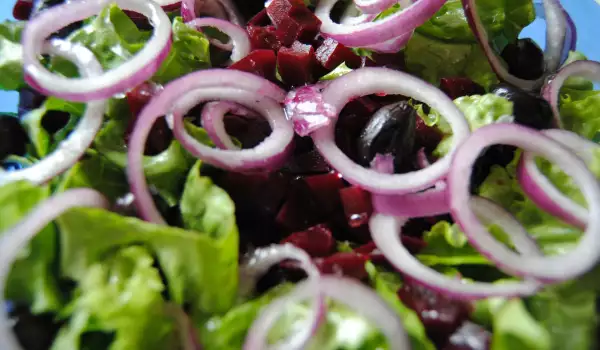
column 29, row 99
column 390, row 130
column 525, row 59
column 34, row 332
column 13, row 138
column 528, row 109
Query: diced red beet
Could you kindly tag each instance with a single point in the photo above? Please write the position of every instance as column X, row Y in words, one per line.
column 22, row 10
column 357, row 205
column 263, row 38
column 311, row 162
column 296, row 64
column 440, row 314
column 301, row 25
column 140, row 96
column 427, row 136
column 299, row 210
column 331, row 54
column 317, row 241
column 390, row 60
column 261, row 19
column 457, row 87
column 259, row 62
column 469, row 336
column 345, row 264
column 369, row 250
column 324, row 189
column 279, row 10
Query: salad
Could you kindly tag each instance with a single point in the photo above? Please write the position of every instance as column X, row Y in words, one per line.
column 297, row 174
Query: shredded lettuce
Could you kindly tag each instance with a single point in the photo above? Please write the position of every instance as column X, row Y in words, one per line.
column 32, row 280
column 11, row 55
column 120, row 296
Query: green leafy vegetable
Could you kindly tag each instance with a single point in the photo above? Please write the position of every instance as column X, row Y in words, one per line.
column 121, row 295
column 386, row 284
column 515, row 328
column 447, row 245
column 11, row 55
column 114, row 38
column 32, row 280
column 205, row 207
column 340, row 70
column 199, row 270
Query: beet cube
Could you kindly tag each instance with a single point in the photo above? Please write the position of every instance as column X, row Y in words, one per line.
column 263, row 38
column 457, row 87
column 259, row 62
column 324, row 189
column 331, row 54
column 345, row 264
column 301, row 25
column 357, row 205
column 296, row 64
column 316, row 241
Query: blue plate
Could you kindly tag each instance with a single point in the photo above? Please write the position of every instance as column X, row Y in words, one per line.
column 584, row 13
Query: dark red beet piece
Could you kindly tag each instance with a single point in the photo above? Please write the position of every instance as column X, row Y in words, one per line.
column 299, row 210
column 140, row 96
column 311, row 162
column 261, row 19
column 301, row 25
column 22, row 10
column 369, row 250
column 427, row 136
column 357, row 205
column 316, row 241
column 457, row 87
column 440, row 314
column 331, row 54
column 296, row 64
column 263, row 38
column 345, row 264
column 469, row 336
column 259, row 62
column 279, row 10
column 324, row 189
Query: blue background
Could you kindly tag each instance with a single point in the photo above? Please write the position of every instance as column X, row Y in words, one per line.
column 584, row 13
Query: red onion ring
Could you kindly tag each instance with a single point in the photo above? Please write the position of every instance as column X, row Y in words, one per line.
column 384, row 231
column 211, row 84
column 138, row 69
column 561, row 35
column 374, row 6
column 430, row 202
column 213, row 115
column 346, row 291
column 553, row 268
column 388, row 28
column 542, row 192
column 258, row 264
column 13, row 241
column 239, row 43
column 366, row 81
column 556, row 41
column 551, row 90
column 391, row 46
column 71, row 149
column 222, row 9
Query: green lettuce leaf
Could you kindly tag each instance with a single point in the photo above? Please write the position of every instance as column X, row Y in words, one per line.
column 11, row 55
column 200, row 270
column 340, row 70
column 445, row 46
column 386, row 284
column 578, row 111
column 166, row 171
column 479, row 110
column 205, row 207
column 95, row 171
column 114, row 38
column 447, row 245
column 32, row 280
column 121, row 296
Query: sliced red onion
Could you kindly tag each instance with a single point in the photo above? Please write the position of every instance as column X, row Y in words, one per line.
column 239, row 39
column 213, row 84
column 352, row 16
column 222, row 9
column 422, row 160
column 346, row 291
column 552, row 268
column 391, row 27
column 257, row 265
column 13, row 241
column 306, row 109
column 557, row 39
column 383, row 163
column 374, row 6
column 543, row 192
column 431, row 202
column 71, row 149
column 366, row 81
column 138, row 69
column 213, row 121
column 392, row 45
column 385, row 233
column 551, row 90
